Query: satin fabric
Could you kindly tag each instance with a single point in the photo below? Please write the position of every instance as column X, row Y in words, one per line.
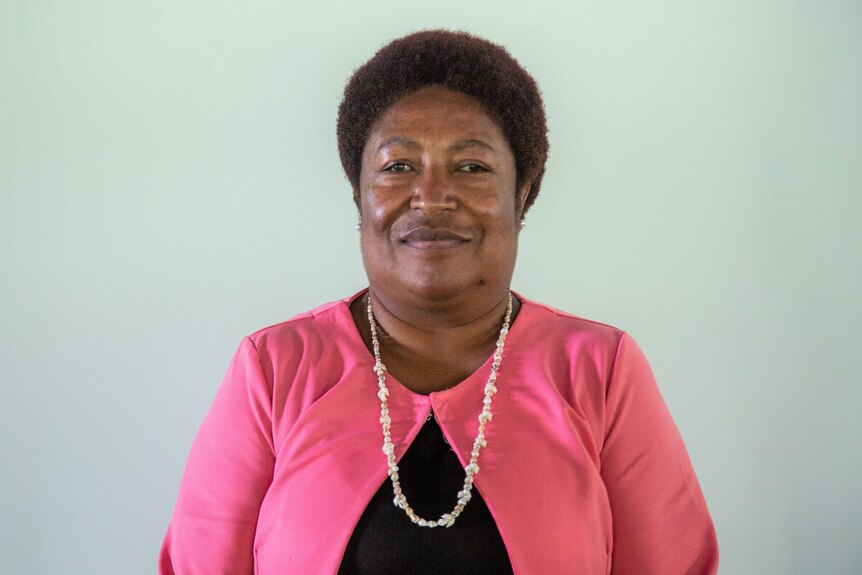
column 585, row 471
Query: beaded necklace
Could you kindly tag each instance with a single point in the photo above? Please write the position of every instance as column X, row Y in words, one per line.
column 472, row 468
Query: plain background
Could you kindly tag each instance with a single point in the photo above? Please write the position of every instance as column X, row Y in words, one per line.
column 169, row 183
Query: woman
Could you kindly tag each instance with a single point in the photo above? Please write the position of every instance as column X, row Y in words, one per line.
column 437, row 422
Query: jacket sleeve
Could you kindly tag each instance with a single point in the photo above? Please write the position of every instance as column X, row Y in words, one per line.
column 228, row 472
column 661, row 524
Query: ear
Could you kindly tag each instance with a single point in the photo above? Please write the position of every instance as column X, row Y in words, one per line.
column 521, row 199
column 356, row 199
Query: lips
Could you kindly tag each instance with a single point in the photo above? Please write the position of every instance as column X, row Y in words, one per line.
column 428, row 238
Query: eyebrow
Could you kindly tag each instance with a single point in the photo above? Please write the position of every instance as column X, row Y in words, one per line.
column 401, row 141
column 464, row 144
column 414, row 145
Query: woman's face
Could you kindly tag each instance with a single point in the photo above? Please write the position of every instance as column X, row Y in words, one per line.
column 438, row 199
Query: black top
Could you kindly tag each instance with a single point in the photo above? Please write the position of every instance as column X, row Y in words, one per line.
column 385, row 541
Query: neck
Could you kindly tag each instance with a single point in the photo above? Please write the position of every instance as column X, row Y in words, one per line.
column 432, row 349
column 444, row 318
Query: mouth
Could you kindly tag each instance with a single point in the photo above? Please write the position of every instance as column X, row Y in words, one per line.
column 424, row 238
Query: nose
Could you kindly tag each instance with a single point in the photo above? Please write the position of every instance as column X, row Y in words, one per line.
column 434, row 191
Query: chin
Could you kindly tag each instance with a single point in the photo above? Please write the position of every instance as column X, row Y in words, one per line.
column 436, row 291
column 445, row 289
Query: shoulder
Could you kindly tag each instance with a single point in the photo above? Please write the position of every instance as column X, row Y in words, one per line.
column 550, row 324
column 328, row 326
column 578, row 345
column 301, row 359
column 323, row 321
column 593, row 365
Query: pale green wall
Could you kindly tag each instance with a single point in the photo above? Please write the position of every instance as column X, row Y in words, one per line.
column 169, row 182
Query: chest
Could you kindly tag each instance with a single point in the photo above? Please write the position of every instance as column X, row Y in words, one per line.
column 435, row 372
column 538, row 474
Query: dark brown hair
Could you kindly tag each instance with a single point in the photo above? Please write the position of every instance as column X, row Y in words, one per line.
column 456, row 61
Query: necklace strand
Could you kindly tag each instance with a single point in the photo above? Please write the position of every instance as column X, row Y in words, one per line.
column 472, row 468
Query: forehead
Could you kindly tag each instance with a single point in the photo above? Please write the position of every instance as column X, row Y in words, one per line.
column 436, row 112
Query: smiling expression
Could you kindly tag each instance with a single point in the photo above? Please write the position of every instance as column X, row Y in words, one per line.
column 439, row 199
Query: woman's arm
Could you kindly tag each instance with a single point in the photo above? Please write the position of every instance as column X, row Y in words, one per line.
column 660, row 520
column 228, row 472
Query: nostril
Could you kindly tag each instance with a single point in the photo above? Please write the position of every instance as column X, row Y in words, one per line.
column 434, row 195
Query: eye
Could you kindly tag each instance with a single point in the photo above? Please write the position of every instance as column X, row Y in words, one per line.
column 472, row 168
column 397, row 167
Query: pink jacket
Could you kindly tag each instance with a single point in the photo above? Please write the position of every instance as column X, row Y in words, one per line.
column 584, row 471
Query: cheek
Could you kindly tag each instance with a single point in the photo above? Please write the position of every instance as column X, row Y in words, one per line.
column 499, row 213
column 375, row 252
column 380, row 214
column 382, row 209
column 370, row 208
